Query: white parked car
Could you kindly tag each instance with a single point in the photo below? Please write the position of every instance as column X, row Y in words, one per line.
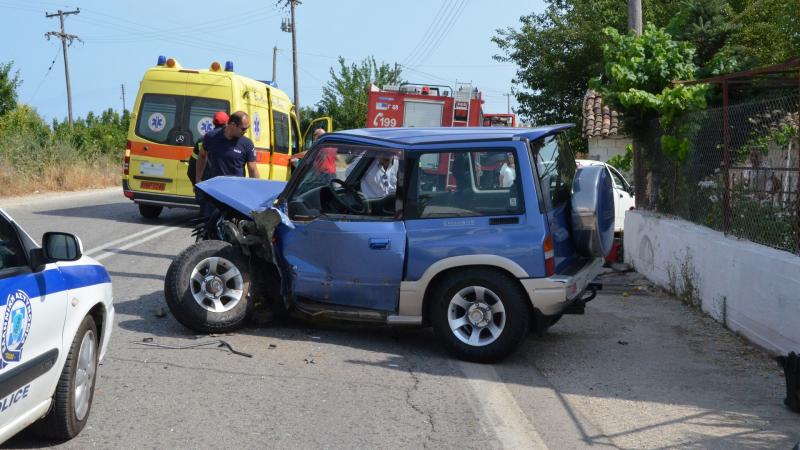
column 56, row 314
column 623, row 192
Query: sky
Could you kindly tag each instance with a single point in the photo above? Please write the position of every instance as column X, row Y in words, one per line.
column 436, row 42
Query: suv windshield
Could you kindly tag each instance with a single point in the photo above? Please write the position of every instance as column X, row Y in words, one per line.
column 347, row 179
column 177, row 119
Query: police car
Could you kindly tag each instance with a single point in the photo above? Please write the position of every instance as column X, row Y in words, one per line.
column 56, row 314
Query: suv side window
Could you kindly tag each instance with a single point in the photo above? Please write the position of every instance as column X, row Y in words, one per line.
column 555, row 165
column 12, row 254
column 464, row 183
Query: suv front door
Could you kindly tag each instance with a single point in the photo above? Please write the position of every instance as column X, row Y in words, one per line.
column 347, row 248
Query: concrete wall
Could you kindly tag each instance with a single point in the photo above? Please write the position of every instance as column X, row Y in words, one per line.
column 603, row 148
column 754, row 290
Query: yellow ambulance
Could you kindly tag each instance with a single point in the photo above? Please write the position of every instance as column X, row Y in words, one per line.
column 174, row 109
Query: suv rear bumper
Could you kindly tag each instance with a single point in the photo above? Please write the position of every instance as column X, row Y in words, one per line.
column 551, row 296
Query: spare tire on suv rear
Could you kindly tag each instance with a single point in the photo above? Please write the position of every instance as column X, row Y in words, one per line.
column 592, row 211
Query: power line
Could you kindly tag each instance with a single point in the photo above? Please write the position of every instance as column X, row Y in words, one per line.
column 434, row 43
column 441, row 15
column 49, row 69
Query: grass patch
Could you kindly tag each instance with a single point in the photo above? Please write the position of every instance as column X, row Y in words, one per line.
column 28, row 165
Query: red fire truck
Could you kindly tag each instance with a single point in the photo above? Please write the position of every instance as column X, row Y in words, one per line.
column 424, row 105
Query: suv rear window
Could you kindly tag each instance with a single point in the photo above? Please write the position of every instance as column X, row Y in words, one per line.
column 555, row 165
column 162, row 116
column 464, row 183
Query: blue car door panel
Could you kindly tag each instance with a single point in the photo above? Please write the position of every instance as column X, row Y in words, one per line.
column 349, row 263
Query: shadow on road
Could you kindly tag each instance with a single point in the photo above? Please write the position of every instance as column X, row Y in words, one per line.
column 664, row 363
column 119, row 212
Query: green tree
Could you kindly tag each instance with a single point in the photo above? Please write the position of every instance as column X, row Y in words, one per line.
column 769, row 32
column 344, row 96
column 638, row 75
column 8, row 87
column 558, row 51
column 708, row 25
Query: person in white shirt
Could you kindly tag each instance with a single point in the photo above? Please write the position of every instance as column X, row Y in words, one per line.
column 381, row 178
column 508, row 173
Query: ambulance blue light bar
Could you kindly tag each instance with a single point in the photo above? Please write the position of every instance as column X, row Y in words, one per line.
column 228, row 66
column 162, row 60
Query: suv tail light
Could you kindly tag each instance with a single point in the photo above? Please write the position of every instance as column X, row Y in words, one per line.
column 549, row 256
column 126, row 161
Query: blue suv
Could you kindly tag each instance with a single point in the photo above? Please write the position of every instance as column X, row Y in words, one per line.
column 407, row 226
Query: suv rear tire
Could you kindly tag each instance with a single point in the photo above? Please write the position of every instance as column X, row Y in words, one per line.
column 207, row 287
column 150, row 211
column 480, row 315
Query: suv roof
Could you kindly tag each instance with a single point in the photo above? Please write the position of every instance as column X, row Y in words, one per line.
column 444, row 135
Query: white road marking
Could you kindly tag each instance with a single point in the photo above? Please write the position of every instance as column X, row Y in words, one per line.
column 148, row 230
column 164, row 230
column 499, row 412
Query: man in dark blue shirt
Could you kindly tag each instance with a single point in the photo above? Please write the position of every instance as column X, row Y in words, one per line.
column 227, row 150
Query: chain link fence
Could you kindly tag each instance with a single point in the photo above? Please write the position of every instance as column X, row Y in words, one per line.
column 744, row 182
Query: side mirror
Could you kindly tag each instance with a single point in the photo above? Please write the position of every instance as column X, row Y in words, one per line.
column 59, row 246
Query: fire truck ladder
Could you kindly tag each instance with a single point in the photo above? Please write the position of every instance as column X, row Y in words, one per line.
column 463, row 94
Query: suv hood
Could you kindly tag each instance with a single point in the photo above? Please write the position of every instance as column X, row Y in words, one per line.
column 245, row 195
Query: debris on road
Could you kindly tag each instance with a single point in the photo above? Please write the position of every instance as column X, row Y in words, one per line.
column 622, row 342
column 220, row 343
column 161, row 312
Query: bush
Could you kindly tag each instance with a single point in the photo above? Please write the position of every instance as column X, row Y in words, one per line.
column 34, row 157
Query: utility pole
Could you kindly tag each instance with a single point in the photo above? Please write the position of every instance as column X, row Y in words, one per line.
column 274, row 63
column 123, row 97
column 635, row 16
column 290, row 26
column 640, row 192
column 64, row 38
column 508, row 100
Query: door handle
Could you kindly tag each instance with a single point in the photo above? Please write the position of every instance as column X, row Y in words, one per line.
column 503, row 220
column 380, row 244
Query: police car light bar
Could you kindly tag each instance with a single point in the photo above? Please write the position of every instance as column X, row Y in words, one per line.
column 228, row 66
column 162, row 60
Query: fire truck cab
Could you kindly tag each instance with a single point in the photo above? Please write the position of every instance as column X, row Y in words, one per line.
column 424, row 105
column 500, row 120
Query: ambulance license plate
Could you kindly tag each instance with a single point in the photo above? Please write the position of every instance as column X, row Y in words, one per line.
column 153, row 186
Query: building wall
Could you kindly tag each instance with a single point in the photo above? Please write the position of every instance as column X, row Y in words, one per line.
column 754, row 290
column 604, row 148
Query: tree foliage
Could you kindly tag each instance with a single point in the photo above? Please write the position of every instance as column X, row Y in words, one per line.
column 638, row 75
column 103, row 133
column 8, row 87
column 558, row 51
column 344, row 96
column 708, row 26
column 769, row 32
column 637, row 81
